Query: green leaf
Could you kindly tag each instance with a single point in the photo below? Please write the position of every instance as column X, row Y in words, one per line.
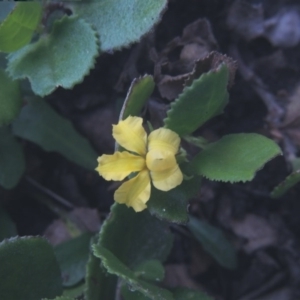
column 72, row 257
column 188, row 294
column 60, row 298
column 60, row 58
column 140, row 90
column 39, row 123
column 128, row 294
column 17, row 29
column 29, row 270
column 235, row 157
column 12, row 161
column 205, row 98
column 142, row 236
column 75, row 291
column 10, row 98
column 172, row 205
column 214, row 242
column 285, row 185
column 99, row 283
column 150, row 270
column 115, row 266
column 7, row 226
column 120, row 23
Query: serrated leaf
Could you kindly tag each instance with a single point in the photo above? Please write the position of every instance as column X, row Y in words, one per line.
column 17, row 29
column 172, row 205
column 140, row 90
column 10, row 98
column 99, row 283
column 39, row 123
column 235, row 157
column 128, row 294
column 7, row 226
column 115, row 266
column 285, row 185
column 214, row 242
column 205, row 98
column 12, row 161
column 72, row 257
column 189, row 294
column 61, row 58
column 150, row 270
column 120, row 23
column 29, row 270
column 142, row 236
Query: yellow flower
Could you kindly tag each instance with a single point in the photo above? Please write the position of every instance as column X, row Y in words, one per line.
column 153, row 158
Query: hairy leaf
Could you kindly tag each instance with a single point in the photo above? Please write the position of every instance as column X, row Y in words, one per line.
column 12, row 161
column 235, row 157
column 214, row 242
column 61, row 58
column 138, row 93
column 29, row 270
column 39, row 123
column 72, row 257
column 10, row 98
column 99, row 283
column 205, row 98
column 17, row 29
column 115, row 266
column 120, row 23
column 142, row 236
column 172, row 205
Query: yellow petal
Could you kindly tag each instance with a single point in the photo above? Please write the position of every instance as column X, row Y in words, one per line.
column 168, row 179
column 135, row 192
column 131, row 135
column 163, row 139
column 119, row 165
column 160, row 160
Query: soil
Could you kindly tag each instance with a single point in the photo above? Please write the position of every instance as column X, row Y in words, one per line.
column 263, row 37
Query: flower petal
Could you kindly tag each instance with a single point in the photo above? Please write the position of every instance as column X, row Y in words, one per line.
column 158, row 161
column 135, row 192
column 119, row 165
column 131, row 135
column 168, row 179
column 163, row 139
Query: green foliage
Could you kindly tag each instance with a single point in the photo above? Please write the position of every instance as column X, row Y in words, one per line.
column 214, row 242
column 60, row 298
column 7, row 226
column 29, row 270
column 10, row 98
column 120, row 23
column 150, row 270
column 138, row 93
column 17, row 29
column 99, row 283
column 205, row 98
column 235, row 157
column 172, row 206
column 142, row 236
column 5, row 8
column 285, row 185
column 12, row 161
column 187, row 294
column 72, row 257
column 60, row 58
column 115, row 266
column 39, row 123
